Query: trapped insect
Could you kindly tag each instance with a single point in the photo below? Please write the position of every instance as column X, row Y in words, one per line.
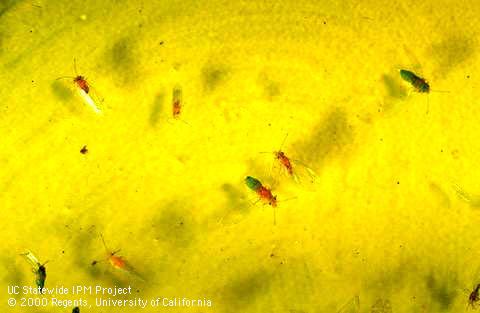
column 176, row 102
column 473, row 298
column 294, row 168
column 37, row 268
column 83, row 88
column 263, row 192
column 117, row 262
column 419, row 83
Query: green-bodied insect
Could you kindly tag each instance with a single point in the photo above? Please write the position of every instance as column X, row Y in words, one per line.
column 253, row 183
column 37, row 268
column 419, row 83
column 263, row 192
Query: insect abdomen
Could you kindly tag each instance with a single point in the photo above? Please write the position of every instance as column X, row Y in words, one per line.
column 253, row 183
column 417, row 82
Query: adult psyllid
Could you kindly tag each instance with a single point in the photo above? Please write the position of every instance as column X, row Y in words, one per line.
column 113, row 291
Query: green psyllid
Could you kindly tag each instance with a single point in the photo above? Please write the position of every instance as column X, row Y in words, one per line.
column 419, row 83
column 263, row 192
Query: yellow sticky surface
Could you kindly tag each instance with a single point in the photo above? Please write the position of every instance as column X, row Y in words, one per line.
column 391, row 219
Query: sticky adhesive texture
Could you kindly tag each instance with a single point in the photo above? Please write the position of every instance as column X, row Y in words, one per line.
column 391, row 220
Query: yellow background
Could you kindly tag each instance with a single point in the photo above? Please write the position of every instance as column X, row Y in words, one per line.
column 381, row 221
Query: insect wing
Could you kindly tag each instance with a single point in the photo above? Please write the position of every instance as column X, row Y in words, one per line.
column 89, row 100
column 302, row 173
column 352, row 306
column 32, row 259
column 473, row 200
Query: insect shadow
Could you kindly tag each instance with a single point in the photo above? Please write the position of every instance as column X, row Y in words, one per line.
column 442, row 291
column 213, row 76
column 451, row 52
column 123, row 60
column 393, row 86
column 243, row 290
column 64, row 94
column 175, row 226
column 330, row 138
column 157, row 108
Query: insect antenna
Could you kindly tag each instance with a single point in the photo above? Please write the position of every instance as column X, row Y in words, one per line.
column 65, row 77
column 106, row 248
column 283, row 142
column 75, row 66
column 104, row 244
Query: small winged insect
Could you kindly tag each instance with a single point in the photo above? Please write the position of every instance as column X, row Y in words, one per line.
column 418, row 83
column 176, row 102
column 264, row 194
column 295, row 169
column 84, row 89
column 118, row 262
column 37, row 268
column 473, row 298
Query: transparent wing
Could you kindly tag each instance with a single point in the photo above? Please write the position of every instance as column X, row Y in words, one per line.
column 473, row 200
column 297, row 170
column 32, row 259
column 132, row 272
column 352, row 306
column 89, row 99
column 302, row 173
